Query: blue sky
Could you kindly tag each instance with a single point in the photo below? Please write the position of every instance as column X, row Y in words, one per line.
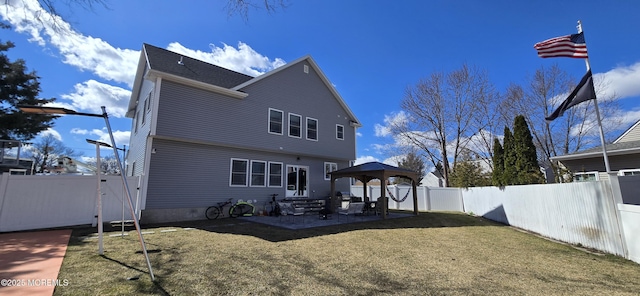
column 370, row 50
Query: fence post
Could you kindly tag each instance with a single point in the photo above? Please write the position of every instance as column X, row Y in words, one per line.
column 616, row 197
column 4, row 182
column 427, row 197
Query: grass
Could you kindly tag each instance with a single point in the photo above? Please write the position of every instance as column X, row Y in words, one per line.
column 431, row 254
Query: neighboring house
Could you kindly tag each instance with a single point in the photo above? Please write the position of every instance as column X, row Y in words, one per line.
column 202, row 134
column 433, row 179
column 623, row 154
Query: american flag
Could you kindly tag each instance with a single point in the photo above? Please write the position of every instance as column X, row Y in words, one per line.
column 571, row 46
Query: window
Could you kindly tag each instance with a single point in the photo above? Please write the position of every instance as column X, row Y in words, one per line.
column 635, row 172
column 585, row 177
column 144, row 115
column 135, row 122
column 295, row 125
column 339, row 132
column 276, row 118
column 312, row 129
column 258, row 173
column 275, row 174
column 328, row 168
column 148, row 100
column 238, row 172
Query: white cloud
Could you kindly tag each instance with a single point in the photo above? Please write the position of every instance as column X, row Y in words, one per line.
column 121, row 137
column 52, row 132
column 90, row 95
column 621, row 82
column 365, row 159
column 242, row 59
column 79, row 131
column 83, row 52
column 394, row 119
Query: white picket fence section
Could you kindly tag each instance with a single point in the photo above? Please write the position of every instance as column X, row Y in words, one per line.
column 35, row 202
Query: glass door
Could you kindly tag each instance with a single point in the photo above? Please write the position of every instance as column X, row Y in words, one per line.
column 297, row 180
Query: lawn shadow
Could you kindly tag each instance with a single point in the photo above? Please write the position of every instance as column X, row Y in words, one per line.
column 252, row 226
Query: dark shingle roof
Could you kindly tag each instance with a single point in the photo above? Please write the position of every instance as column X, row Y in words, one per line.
column 167, row 61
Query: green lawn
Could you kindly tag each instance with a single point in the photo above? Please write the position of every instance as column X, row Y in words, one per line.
column 431, row 254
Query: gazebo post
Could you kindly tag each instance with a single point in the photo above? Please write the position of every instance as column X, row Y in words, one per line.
column 364, row 188
column 385, row 205
column 415, row 196
column 333, row 194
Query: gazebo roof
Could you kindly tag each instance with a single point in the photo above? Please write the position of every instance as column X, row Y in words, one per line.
column 374, row 170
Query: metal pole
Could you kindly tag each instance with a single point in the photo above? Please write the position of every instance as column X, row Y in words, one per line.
column 595, row 103
column 100, row 226
column 126, row 185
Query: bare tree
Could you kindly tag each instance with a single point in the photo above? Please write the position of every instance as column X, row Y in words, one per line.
column 50, row 13
column 445, row 115
column 46, row 151
column 575, row 130
column 242, row 7
column 108, row 165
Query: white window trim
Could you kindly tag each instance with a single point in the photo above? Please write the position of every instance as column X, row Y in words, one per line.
column 306, row 121
column 340, row 125
column 326, row 172
column 587, row 173
column 269, row 122
column 231, row 172
column 289, row 125
column 264, row 178
column 269, row 174
column 621, row 172
column 135, row 131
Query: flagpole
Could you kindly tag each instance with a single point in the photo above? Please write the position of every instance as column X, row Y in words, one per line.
column 595, row 103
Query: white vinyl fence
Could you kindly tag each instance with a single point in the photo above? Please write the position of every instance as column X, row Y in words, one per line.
column 579, row 213
column 35, row 202
column 429, row 198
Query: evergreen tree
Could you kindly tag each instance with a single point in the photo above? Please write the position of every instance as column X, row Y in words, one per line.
column 413, row 162
column 497, row 177
column 509, row 176
column 17, row 87
column 526, row 164
column 468, row 173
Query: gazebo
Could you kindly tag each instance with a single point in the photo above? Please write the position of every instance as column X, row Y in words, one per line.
column 375, row 170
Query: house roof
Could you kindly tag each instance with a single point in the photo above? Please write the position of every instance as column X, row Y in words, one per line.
column 629, row 130
column 621, row 148
column 317, row 69
column 168, row 62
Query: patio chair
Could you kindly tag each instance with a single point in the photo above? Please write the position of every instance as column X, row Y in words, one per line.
column 352, row 209
column 288, row 209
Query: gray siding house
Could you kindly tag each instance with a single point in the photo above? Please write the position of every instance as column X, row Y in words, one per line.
column 623, row 154
column 202, row 134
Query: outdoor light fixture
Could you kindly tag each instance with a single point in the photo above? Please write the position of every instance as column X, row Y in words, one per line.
column 64, row 111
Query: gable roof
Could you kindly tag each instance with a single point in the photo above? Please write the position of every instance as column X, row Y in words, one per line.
column 166, row 61
column 628, row 131
column 162, row 62
column 317, row 69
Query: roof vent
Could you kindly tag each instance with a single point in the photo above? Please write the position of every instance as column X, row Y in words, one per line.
column 180, row 61
column 306, row 69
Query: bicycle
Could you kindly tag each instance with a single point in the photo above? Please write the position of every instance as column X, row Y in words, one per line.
column 213, row 212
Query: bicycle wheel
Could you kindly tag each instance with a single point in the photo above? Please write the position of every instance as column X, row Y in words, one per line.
column 212, row 212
